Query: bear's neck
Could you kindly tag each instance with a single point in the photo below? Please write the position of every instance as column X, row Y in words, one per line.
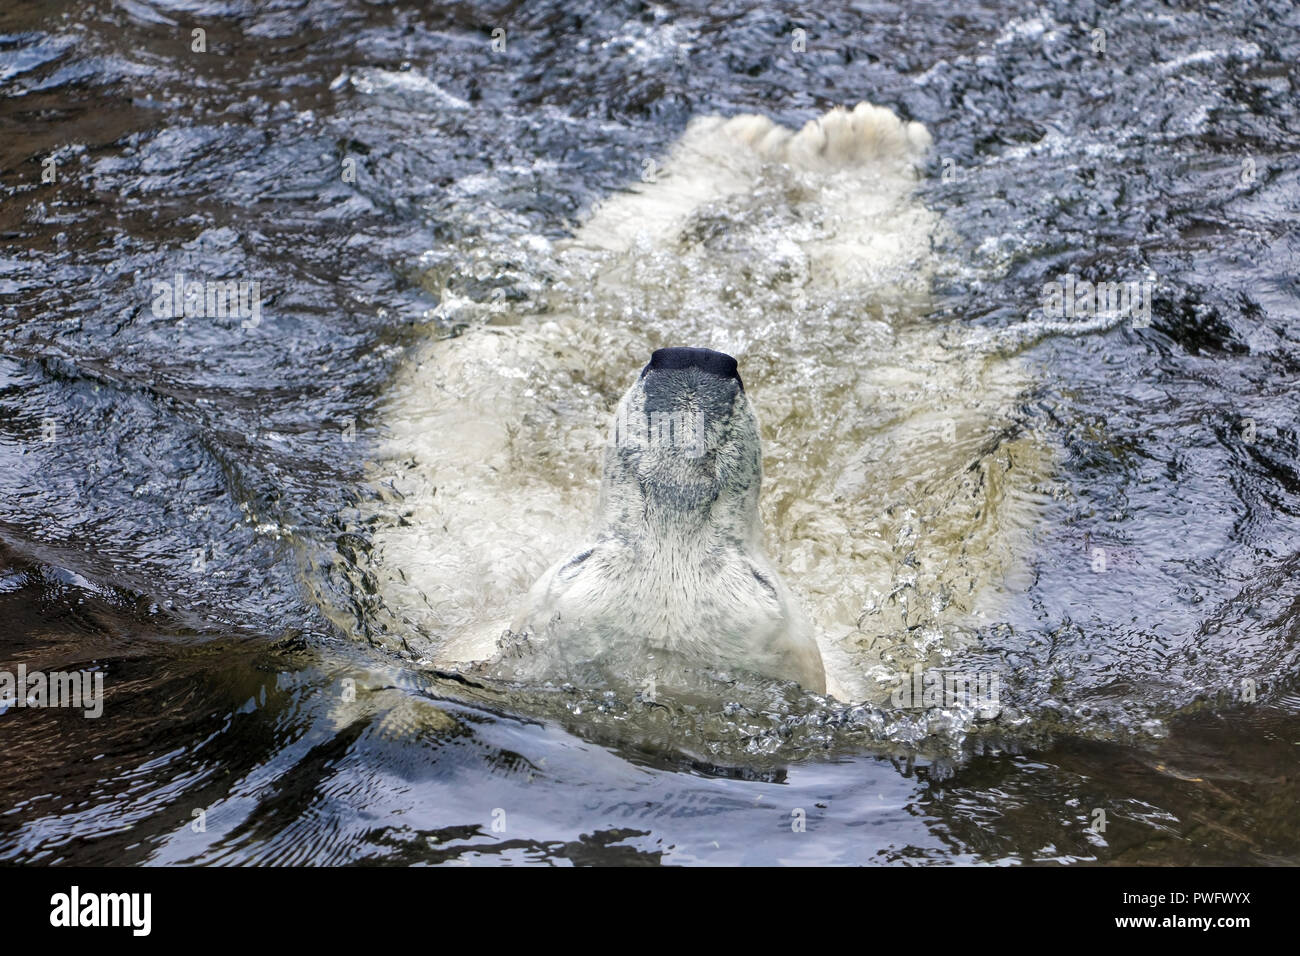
column 658, row 527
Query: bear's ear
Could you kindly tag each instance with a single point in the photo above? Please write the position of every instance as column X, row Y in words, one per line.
column 570, row 567
column 765, row 582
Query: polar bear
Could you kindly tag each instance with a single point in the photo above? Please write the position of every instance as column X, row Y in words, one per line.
column 900, row 479
column 676, row 561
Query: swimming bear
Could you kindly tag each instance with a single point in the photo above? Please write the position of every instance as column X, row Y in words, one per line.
column 676, row 563
column 901, row 486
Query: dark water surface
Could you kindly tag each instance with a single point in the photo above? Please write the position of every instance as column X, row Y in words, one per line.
column 179, row 499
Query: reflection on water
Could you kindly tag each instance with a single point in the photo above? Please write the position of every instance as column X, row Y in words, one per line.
column 203, row 510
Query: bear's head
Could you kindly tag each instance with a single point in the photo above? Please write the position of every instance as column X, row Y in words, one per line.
column 685, row 450
column 675, row 578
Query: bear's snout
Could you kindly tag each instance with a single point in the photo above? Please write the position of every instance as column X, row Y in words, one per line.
column 689, row 392
column 717, row 364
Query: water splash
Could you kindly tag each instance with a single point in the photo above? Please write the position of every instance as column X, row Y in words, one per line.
column 899, row 480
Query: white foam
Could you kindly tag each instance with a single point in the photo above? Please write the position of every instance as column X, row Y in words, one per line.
column 372, row 80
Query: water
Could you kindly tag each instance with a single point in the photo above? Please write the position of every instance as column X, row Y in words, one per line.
column 274, row 540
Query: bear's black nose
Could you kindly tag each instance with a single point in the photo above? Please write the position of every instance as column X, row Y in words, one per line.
column 706, row 360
